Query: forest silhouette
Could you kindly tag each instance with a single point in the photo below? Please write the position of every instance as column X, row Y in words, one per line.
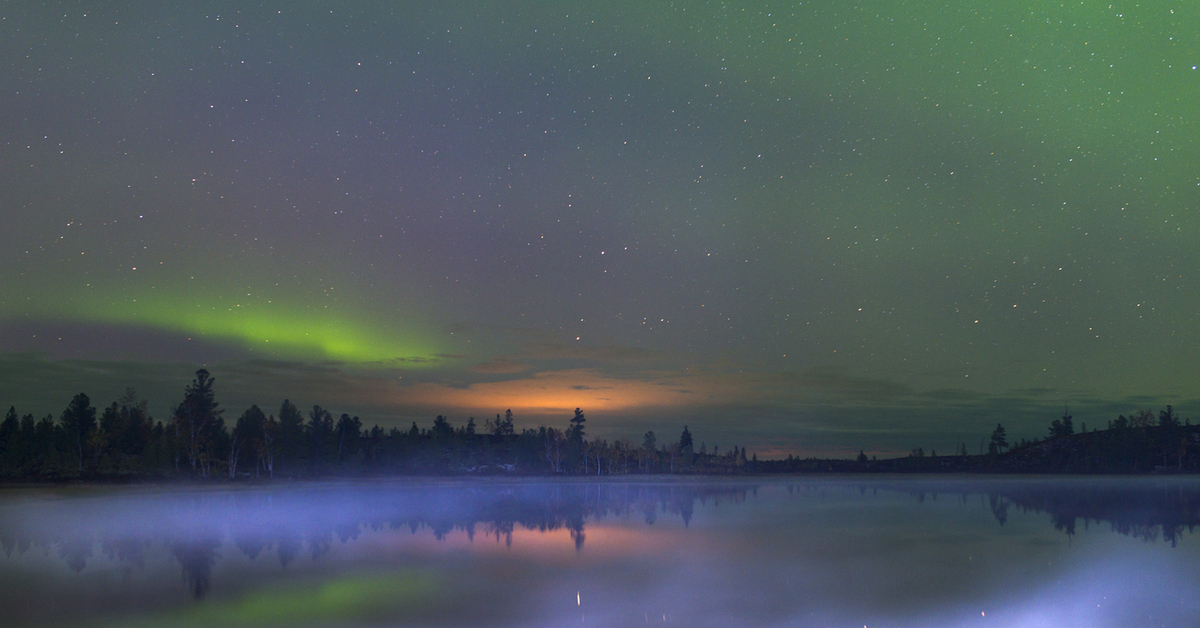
column 124, row 442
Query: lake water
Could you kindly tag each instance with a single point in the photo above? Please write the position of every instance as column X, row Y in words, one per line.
column 658, row 552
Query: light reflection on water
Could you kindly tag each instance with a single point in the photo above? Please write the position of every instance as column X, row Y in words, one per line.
column 753, row 552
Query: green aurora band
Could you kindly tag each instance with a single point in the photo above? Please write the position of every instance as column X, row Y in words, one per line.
column 277, row 330
column 281, row 331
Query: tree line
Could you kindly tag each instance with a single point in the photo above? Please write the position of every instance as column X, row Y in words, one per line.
column 1139, row 443
column 123, row 440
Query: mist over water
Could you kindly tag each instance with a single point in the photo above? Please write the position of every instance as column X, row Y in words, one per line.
column 669, row 552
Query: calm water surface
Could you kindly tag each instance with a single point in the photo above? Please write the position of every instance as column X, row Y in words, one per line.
column 669, row 552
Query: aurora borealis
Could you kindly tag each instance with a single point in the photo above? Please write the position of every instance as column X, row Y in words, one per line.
column 807, row 228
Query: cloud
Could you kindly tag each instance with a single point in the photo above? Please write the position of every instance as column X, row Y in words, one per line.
column 832, row 383
column 1036, row 392
column 486, row 330
column 545, row 392
column 613, row 353
column 557, row 391
column 35, row 383
column 39, row 384
column 110, row 342
column 549, row 353
column 952, row 394
column 500, row 367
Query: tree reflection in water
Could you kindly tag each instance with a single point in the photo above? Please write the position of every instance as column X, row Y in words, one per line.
column 294, row 521
column 193, row 526
column 1144, row 508
column 197, row 557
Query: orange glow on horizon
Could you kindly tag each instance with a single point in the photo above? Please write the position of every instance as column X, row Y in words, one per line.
column 548, row 393
column 557, row 392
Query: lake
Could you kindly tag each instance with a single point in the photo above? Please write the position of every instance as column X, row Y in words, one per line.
column 874, row 551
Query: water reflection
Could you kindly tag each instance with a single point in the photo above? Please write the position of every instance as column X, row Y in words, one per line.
column 761, row 552
column 1145, row 508
column 197, row 557
column 307, row 520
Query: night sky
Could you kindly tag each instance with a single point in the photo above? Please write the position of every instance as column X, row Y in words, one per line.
column 806, row 228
